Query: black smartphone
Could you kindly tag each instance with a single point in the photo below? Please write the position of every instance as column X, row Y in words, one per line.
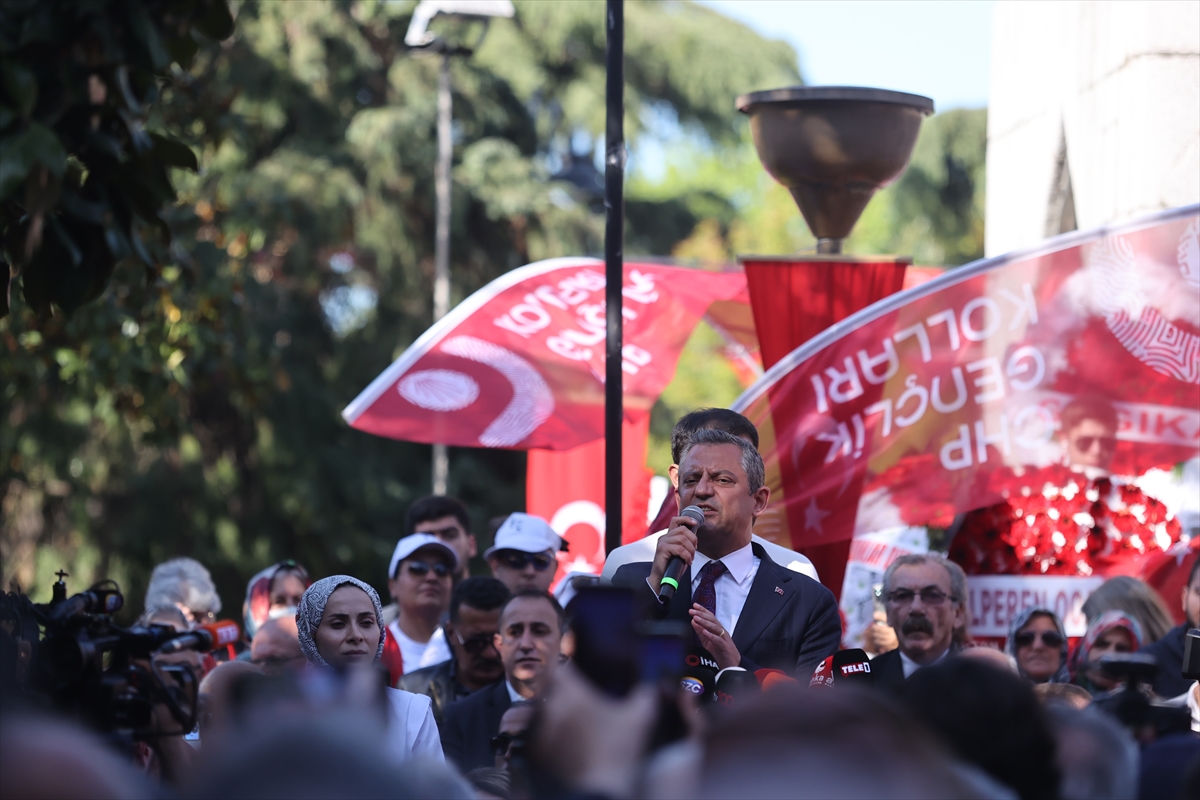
column 663, row 648
column 607, row 647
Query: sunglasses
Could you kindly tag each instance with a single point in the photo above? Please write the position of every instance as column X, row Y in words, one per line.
column 930, row 596
column 515, row 559
column 1049, row 638
column 419, row 569
column 476, row 644
column 501, row 743
column 1085, row 442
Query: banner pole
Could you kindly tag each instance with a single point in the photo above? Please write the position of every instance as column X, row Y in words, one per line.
column 614, row 237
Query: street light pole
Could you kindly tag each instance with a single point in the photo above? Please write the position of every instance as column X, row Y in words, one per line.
column 614, row 267
column 441, row 275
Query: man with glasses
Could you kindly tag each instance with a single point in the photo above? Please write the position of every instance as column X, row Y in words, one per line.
column 529, row 641
column 474, row 621
column 446, row 518
column 524, row 554
column 925, row 598
column 275, row 649
column 420, row 577
column 511, row 741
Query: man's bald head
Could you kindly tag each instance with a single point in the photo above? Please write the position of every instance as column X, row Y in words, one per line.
column 276, row 646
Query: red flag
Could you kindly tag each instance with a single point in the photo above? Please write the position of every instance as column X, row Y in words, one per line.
column 934, row 397
column 567, row 490
column 520, row 363
column 793, row 301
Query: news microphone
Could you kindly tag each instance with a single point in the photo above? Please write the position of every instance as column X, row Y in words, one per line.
column 852, row 667
column 699, row 674
column 205, row 637
column 675, row 567
column 736, row 685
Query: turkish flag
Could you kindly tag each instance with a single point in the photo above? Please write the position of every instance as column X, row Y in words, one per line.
column 567, row 490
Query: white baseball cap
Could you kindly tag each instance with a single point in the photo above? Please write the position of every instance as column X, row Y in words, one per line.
column 411, row 544
column 526, row 533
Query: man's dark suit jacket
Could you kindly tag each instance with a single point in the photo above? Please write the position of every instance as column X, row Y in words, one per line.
column 887, row 670
column 789, row 622
column 439, row 683
column 469, row 725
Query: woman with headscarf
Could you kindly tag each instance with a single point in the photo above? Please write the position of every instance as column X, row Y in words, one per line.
column 273, row 592
column 339, row 623
column 1038, row 641
column 1111, row 632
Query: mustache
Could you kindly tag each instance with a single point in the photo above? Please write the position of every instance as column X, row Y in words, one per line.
column 917, row 625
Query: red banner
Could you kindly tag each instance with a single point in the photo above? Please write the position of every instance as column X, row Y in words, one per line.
column 567, row 490
column 927, row 403
column 520, row 363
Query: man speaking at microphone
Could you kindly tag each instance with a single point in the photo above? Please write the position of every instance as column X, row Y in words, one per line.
column 746, row 610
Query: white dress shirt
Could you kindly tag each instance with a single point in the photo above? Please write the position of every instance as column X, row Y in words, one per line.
column 911, row 666
column 733, row 587
column 411, row 731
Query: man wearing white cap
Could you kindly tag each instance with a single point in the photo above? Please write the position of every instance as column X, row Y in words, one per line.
column 420, row 577
column 523, row 556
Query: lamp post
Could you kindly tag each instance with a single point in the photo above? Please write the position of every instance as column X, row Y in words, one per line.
column 614, row 266
column 418, row 37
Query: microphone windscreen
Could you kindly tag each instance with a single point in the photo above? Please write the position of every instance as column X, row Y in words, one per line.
column 822, row 677
column 223, row 632
column 852, row 666
column 699, row 673
column 736, row 685
column 694, row 513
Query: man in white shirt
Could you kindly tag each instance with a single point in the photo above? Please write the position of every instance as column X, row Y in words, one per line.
column 420, row 577
column 925, row 597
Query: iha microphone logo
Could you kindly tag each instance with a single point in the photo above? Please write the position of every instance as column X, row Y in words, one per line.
column 695, row 660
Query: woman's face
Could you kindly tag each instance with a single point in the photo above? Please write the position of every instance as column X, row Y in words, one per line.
column 349, row 632
column 1118, row 640
column 1039, row 649
column 286, row 590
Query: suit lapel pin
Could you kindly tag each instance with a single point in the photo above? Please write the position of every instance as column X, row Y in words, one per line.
column 778, row 590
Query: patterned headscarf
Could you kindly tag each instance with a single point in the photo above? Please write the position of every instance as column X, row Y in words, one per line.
column 1062, row 674
column 312, row 608
column 1109, row 620
column 256, row 609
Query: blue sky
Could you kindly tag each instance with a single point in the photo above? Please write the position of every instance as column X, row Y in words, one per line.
column 938, row 48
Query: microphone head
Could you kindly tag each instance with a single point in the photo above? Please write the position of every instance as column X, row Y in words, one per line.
column 222, row 632
column 699, row 674
column 852, row 666
column 736, row 685
column 694, row 513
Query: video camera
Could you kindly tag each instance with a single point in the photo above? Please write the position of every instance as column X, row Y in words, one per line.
column 1130, row 703
column 108, row 676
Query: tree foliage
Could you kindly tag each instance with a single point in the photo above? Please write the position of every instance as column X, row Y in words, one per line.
column 198, row 413
column 81, row 172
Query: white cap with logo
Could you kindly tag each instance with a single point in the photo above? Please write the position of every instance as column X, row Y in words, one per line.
column 526, row 533
column 411, row 544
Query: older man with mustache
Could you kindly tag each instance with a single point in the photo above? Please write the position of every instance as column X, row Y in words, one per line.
column 925, row 596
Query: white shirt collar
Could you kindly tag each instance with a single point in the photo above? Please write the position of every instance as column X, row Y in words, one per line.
column 911, row 666
column 512, row 693
column 739, row 563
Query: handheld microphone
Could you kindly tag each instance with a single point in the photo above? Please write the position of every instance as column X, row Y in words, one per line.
column 676, row 566
column 205, row 637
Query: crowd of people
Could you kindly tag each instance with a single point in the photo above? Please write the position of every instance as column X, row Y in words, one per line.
column 481, row 686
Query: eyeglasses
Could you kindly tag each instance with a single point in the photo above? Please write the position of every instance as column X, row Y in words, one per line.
column 1049, row 638
column 419, row 569
column 516, row 559
column 1085, row 442
column 476, row 644
column 930, row 596
column 502, row 742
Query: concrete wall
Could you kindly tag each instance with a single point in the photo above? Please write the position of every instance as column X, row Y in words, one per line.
column 1113, row 85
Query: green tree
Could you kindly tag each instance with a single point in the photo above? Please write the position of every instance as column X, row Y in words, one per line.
column 198, row 414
